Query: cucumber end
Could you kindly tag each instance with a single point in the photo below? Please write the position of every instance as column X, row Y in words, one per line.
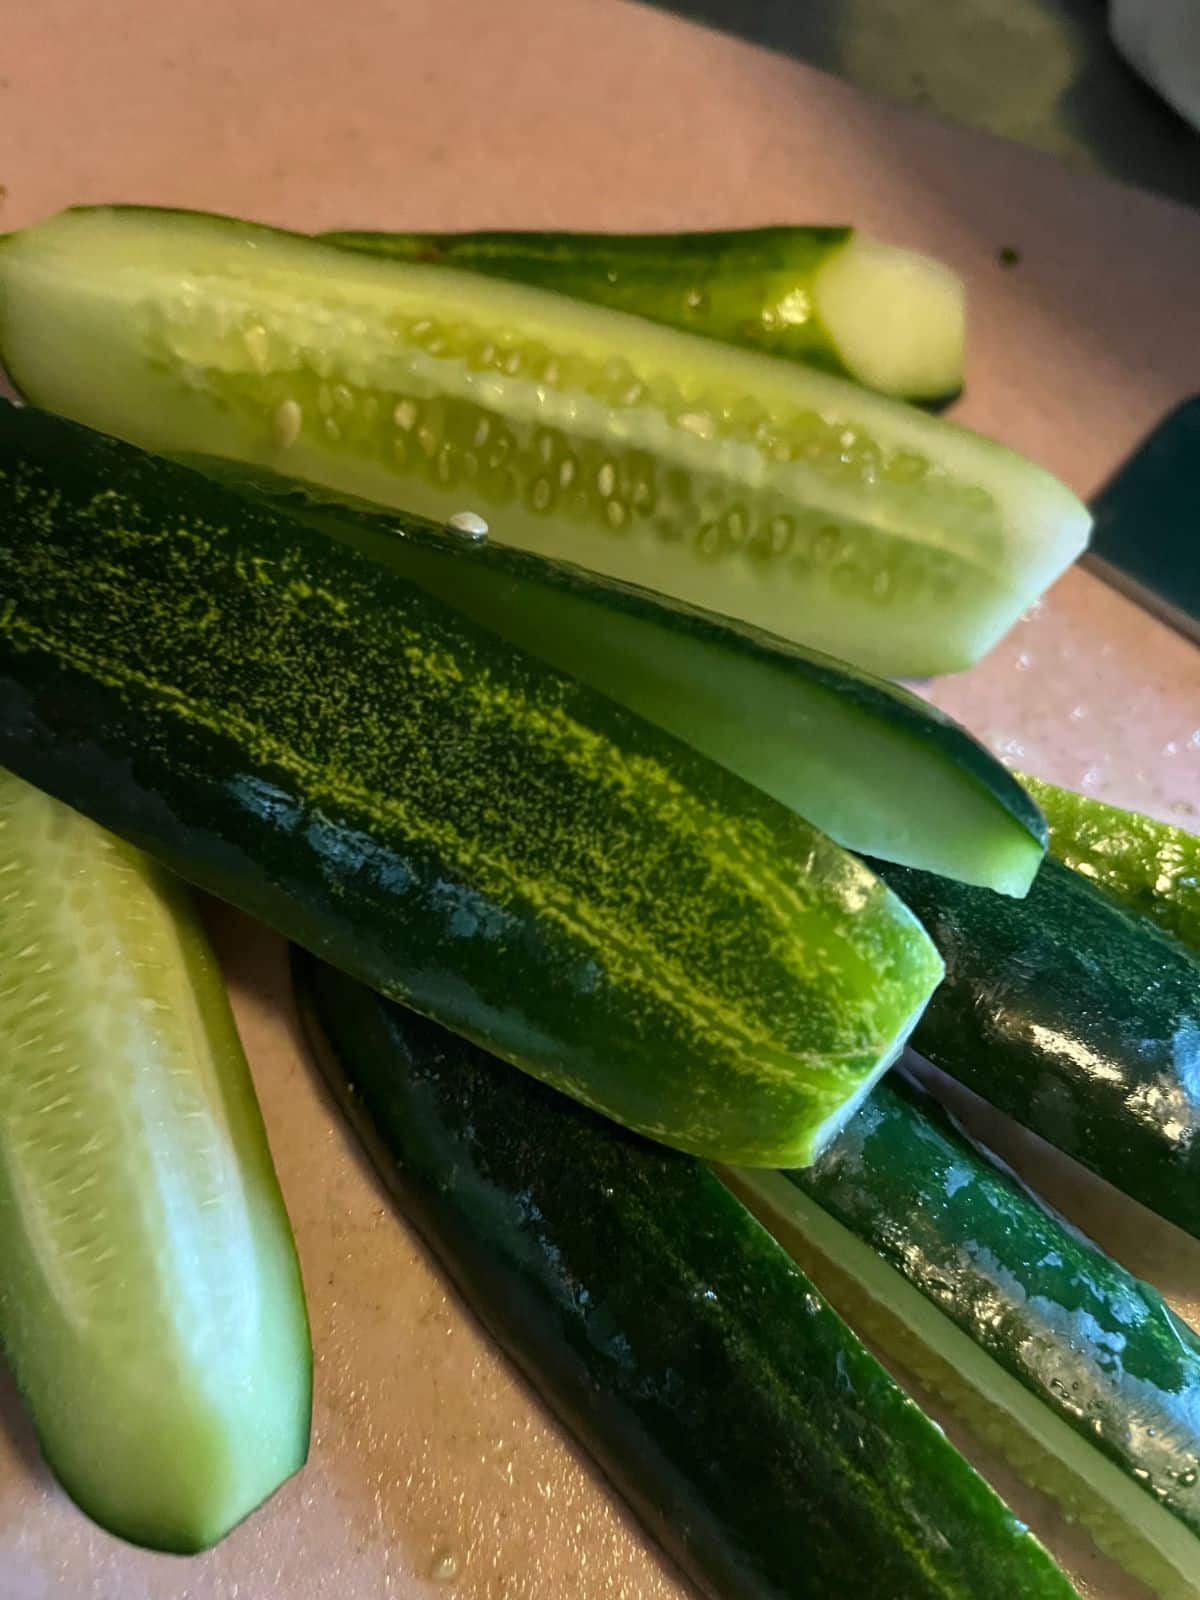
column 1011, row 868
column 194, row 1480
column 896, row 318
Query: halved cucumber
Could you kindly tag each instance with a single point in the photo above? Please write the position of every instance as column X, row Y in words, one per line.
column 1051, row 1353
column 831, row 297
column 1076, row 1017
column 746, row 1425
column 150, row 1298
column 876, row 768
column 300, row 729
column 748, row 485
column 1150, row 866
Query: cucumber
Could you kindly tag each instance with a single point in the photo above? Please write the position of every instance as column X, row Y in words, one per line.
column 1077, row 1018
column 756, row 488
column 304, row 732
column 1151, row 867
column 813, row 733
column 748, row 1428
column 150, row 1298
column 831, row 297
column 1052, row 1353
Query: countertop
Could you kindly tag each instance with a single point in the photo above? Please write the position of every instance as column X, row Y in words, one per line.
column 434, row 1471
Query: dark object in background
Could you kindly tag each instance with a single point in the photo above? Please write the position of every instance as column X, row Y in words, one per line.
column 1146, row 540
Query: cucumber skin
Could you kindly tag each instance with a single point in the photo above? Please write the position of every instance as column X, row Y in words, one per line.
column 406, row 542
column 292, row 728
column 1075, row 1017
column 727, row 284
column 756, row 1438
column 722, row 284
column 1151, row 867
column 1099, row 1347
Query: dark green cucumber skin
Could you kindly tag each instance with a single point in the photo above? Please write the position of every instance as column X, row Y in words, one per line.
column 722, row 284
column 412, row 546
column 1077, row 1018
column 292, row 727
column 1099, row 1347
column 752, row 1433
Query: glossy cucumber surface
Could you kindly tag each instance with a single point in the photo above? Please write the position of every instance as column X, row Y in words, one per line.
column 150, row 1298
column 302, row 731
column 833, row 298
column 1050, row 1351
column 875, row 767
column 753, row 1434
column 1076, row 1017
column 748, row 485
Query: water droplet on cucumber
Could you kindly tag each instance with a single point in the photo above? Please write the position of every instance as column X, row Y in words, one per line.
column 468, row 528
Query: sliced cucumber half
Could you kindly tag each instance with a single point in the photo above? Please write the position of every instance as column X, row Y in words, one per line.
column 150, row 1297
column 833, row 297
column 747, row 485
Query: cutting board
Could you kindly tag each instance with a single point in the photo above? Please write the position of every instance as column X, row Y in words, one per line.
column 434, row 1471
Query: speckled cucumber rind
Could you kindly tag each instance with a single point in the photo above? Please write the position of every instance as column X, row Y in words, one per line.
column 833, row 298
column 1151, row 867
column 817, row 735
column 758, row 1440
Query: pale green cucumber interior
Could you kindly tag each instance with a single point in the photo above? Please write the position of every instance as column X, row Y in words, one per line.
column 896, row 318
column 747, row 485
column 150, row 1300
column 876, row 785
column 1125, row 1520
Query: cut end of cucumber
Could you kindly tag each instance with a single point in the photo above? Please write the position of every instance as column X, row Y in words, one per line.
column 897, row 318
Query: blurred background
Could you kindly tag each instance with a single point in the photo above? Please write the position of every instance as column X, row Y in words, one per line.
column 1045, row 72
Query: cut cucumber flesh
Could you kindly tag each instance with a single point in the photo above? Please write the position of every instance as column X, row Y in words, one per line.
column 1150, row 866
column 150, row 1298
column 1125, row 1521
column 832, row 297
column 876, row 768
column 744, row 484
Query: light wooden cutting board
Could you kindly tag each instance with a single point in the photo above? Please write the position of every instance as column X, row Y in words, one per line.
column 434, row 1471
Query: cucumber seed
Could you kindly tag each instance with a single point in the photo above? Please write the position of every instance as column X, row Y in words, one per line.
column 286, row 423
